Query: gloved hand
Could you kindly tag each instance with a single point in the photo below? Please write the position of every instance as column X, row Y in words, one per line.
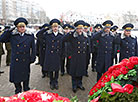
column 11, row 29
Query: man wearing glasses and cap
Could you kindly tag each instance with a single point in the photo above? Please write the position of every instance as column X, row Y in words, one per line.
column 22, row 53
column 105, row 50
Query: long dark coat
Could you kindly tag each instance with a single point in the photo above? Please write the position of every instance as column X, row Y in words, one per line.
column 79, row 45
column 104, row 51
column 53, row 51
column 22, row 54
column 42, row 45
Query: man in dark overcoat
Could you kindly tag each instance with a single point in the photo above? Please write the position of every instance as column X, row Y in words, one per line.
column 22, row 53
column 105, row 48
column 79, row 44
column 42, row 46
column 52, row 62
column 128, row 42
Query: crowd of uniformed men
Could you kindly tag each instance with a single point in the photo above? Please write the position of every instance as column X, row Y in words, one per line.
column 66, row 48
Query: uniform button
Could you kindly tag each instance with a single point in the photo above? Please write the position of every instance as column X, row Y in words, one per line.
column 23, row 60
column 78, row 42
column 126, row 42
column 84, row 47
column 133, row 47
column 24, row 53
column 127, row 47
column 57, row 49
column 18, row 45
column 52, row 46
column 58, row 41
column 17, row 52
column 106, row 47
column 110, row 42
column 57, row 46
column 105, row 51
column 83, row 42
column 106, row 42
column 87, row 43
column 52, row 40
column 126, row 51
column 133, row 52
column 83, row 51
column 17, row 59
column 78, row 51
column 24, row 45
column 79, row 47
column 133, row 44
column 43, row 48
column 51, row 51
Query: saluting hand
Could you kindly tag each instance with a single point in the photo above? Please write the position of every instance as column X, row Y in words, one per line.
column 11, row 29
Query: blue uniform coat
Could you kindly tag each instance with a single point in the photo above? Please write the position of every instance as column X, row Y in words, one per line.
column 53, row 51
column 128, row 46
column 22, row 54
column 104, row 51
column 79, row 45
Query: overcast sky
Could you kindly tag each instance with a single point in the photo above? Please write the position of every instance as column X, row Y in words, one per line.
column 54, row 8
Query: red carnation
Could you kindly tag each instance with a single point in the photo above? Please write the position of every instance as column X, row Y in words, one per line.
column 118, row 51
column 69, row 57
column 134, row 60
column 128, row 88
column 129, row 65
column 124, row 70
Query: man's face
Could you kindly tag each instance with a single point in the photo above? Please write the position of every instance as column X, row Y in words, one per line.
column 107, row 29
column 86, row 30
column 127, row 33
column 97, row 29
column 66, row 30
column 21, row 29
column 79, row 30
column 54, row 28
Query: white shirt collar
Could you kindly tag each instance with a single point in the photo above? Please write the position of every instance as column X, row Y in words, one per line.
column 55, row 33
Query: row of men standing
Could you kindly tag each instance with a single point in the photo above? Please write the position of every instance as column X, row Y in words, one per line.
column 75, row 45
column 104, row 43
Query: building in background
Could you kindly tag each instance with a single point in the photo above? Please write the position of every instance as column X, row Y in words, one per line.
column 11, row 9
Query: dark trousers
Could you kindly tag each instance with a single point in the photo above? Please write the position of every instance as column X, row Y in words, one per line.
column 63, row 64
column 99, row 75
column 94, row 55
column 54, row 77
column 76, row 81
column 18, row 86
column 8, row 57
column 44, row 72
